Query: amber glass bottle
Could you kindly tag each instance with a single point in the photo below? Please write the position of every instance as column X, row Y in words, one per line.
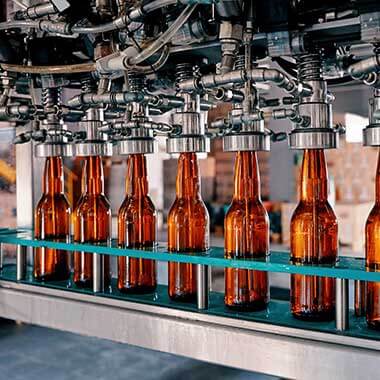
column 188, row 228
column 136, row 229
column 372, row 244
column 246, row 235
column 314, row 240
column 52, row 221
column 92, row 221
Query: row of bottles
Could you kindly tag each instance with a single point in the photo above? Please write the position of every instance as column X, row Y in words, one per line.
column 314, row 233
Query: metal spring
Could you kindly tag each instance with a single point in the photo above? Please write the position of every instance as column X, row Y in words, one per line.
column 239, row 62
column 183, row 71
column 136, row 82
column 88, row 85
column 51, row 99
column 309, row 67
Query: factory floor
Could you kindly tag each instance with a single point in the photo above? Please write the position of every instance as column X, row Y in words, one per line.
column 36, row 353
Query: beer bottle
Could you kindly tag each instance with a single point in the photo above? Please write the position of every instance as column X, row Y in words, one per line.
column 246, row 235
column 136, row 229
column 188, row 228
column 314, row 240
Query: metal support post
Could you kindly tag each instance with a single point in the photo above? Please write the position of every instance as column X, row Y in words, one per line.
column 342, row 304
column 98, row 273
column 21, row 262
column 202, row 286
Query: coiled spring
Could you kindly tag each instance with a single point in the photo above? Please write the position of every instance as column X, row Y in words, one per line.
column 309, row 67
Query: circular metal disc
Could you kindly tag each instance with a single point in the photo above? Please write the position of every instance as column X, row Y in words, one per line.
column 85, row 149
column 246, row 142
column 54, row 150
column 313, row 138
column 184, row 144
column 371, row 135
column 135, row 146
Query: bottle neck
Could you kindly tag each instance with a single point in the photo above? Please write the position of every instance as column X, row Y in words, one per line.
column 53, row 176
column 188, row 177
column 377, row 188
column 136, row 183
column 313, row 181
column 247, row 176
column 93, row 177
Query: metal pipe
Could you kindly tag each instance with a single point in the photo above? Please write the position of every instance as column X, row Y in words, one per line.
column 240, row 76
column 202, row 287
column 342, row 304
column 21, row 262
column 109, row 98
column 39, row 10
column 55, row 69
column 360, row 70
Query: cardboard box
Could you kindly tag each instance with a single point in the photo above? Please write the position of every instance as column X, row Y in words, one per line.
column 351, row 225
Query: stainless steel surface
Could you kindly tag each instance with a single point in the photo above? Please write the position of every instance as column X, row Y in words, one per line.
column 371, row 135
column 98, row 273
column 342, row 304
column 246, row 142
column 202, row 286
column 54, row 150
column 185, row 144
column 21, row 262
column 136, row 146
column 85, row 149
column 276, row 350
column 307, row 138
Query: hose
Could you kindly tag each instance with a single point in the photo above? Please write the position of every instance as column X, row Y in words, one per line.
column 162, row 40
column 19, row 24
column 58, row 69
column 154, row 66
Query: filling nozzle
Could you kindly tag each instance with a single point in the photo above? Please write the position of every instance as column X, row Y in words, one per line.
column 136, row 131
column 189, row 130
column 53, row 134
column 312, row 114
column 371, row 134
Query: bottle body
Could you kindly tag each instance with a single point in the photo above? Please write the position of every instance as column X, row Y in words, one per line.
column 52, row 221
column 92, row 222
column 314, row 240
column 136, row 229
column 372, row 244
column 246, row 229
column 188, row 228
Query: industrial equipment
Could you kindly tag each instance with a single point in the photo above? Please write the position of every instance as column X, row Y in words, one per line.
column 100, row 75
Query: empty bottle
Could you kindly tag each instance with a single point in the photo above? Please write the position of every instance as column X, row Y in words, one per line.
column 136, row 229
column 92, row 221
column 372, row 244
column 246, row 235
column 188, row 228
column 52, row 221
column 314, row 240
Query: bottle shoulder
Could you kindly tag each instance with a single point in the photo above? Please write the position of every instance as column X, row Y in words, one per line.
column 137, row 206
column 89, row 202
column 374, row 216
column 58, row 201
column 306, row 214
